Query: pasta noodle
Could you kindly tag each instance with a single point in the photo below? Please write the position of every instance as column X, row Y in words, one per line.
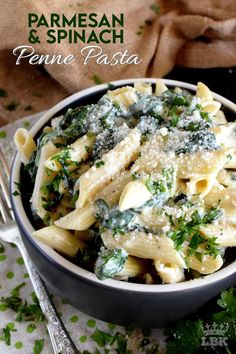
column 25, row 144
column 42, row 178
column 93, row 180
column 62, row 240
column 133, row 267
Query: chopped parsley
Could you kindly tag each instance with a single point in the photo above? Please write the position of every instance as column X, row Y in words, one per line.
column 99, row 163
column 51, row 195
column 105, row 120
column 17, row 191
column 174, row 118
column 12, row 106
column 5, row 333
column 16, row 291
column 97, row 80
column 185, row 337
column 160, row 188
column 101, row 338
column 134, row 176
column 74, row 198
column 110, row 86
column 26, row 124
column 155, row 7
column 155, row 187
column 227, row 302
column 180, row 100
column 189, row 231
column 24, row 311
column 118, row 341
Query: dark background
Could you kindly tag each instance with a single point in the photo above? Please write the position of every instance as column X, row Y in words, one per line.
column 219, row 80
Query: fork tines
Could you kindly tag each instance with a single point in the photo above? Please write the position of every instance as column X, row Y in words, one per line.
column 5, row 203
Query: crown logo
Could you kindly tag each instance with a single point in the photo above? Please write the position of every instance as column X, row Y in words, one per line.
column 215, row 329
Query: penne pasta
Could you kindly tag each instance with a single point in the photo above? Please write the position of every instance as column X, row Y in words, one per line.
column 160, row 88
column 25, row 144
column 133, row 267
column 169, row 273
column 143, row 88
column 92, row 181
column 124, row 96
column 42, row 178
column 62, row 240
column 136, row 244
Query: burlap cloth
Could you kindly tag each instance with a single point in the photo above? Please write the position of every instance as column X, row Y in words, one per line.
column 190, row 33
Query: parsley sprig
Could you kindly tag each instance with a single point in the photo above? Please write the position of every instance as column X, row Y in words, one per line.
column 185, row 336
column 190, row 231
column 24, row 311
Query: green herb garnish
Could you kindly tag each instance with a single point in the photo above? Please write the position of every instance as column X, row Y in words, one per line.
column 15, row 292
column 190, row 231
column 134, row 176
column 17, row 191
column 74, row 198
column 155, row 187
column 5, row 333
column 155, row 7
column 12, row 106
column 110, row 86
column 51, row 195
column 97, row 80
column 99, row 163
column 24, row 311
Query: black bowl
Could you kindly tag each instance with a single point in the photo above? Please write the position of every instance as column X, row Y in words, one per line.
column 124, row 303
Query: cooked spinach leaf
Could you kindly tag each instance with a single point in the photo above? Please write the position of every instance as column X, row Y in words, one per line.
column 109, row 263
column 119, row 221
column 199, row 140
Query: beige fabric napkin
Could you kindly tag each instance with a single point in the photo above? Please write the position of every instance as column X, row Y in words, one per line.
column 185, row 32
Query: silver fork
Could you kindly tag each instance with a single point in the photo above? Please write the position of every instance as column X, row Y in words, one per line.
column 61, row 341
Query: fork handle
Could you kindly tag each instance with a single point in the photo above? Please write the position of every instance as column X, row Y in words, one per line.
column 61, row 341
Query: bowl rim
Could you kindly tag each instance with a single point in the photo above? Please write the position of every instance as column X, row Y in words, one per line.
column 66, row 266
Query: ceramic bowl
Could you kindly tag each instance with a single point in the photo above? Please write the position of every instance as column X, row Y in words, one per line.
column 124, row 303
